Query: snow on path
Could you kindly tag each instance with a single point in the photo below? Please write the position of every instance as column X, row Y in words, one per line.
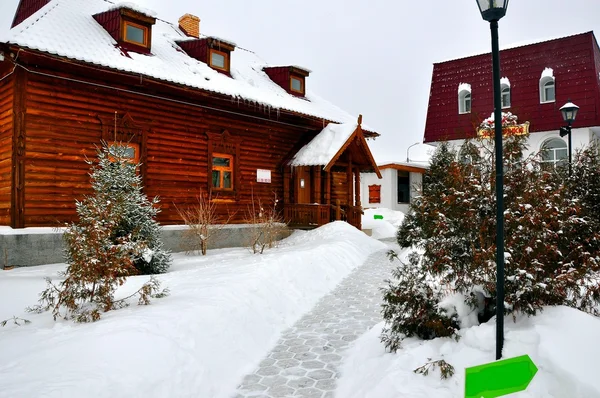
column 225, row 311
column 306, row 359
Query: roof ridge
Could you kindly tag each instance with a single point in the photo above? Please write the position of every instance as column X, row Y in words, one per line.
column 517, row 45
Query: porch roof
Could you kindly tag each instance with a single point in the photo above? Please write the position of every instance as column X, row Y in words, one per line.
column 327, row 147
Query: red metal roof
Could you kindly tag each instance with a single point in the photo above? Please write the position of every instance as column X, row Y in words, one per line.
column 575, row 61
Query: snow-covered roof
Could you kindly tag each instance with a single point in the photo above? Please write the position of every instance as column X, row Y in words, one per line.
column 132, row 6
column 321, row 149
column 67, row 28
column 505, row 81
column 416, row 164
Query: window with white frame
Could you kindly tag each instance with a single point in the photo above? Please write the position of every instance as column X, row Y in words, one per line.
column 464, row 98
column 505, row 90
column 554, row 152
column 547, row 86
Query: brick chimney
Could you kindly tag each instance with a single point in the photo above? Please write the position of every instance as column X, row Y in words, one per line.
column 190, row 25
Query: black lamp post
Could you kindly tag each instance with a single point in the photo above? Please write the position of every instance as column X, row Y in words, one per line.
column 492, row 11
column 569, row 112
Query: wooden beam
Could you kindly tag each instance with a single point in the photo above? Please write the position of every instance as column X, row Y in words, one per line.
column 17, row 213
column 317, row 198
column 349, row 179
column 357, row 187
column 327, row 188
column 287, row 176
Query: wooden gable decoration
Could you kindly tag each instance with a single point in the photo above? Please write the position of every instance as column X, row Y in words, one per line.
column 357, row 139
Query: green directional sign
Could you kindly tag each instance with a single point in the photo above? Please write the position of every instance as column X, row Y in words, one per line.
column 499, row 378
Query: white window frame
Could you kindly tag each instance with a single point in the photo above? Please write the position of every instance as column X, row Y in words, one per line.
column 554, row 160
column 543, row 81
column 502, row 88
column 462, row 102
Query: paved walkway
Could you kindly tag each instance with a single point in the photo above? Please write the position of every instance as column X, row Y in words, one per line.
column 305, row 361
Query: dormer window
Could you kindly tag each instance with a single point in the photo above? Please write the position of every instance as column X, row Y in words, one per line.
column 131, row 28
column 297, row 84
column 290, row 78
column 219, row 60
column 135, row 34
column 214, row 52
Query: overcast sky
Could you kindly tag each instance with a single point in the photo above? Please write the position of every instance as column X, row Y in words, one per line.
column 373, row 57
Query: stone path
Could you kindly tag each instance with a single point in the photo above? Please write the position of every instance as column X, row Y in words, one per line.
column 305, row 361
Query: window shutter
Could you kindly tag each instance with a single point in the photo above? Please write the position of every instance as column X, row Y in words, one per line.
column 374, row 193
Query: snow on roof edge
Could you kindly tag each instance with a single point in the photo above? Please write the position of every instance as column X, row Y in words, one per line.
column 310, row 106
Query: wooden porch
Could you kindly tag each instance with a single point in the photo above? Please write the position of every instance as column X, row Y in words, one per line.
column 322, row 182
column 307, row 216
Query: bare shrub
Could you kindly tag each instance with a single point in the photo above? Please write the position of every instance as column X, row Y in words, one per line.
column 266, row 225
column 202, row 221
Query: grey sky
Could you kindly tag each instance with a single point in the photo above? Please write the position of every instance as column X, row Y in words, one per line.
column 373, row 57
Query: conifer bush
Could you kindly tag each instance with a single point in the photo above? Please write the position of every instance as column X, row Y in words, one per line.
column 115, row 237
column 552, row 238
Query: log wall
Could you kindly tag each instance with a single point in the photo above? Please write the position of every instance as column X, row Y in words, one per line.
column 6, row 133
column 64, row 124
column 339, row 189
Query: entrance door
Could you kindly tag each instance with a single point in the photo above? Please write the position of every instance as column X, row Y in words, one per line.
column 303, row 184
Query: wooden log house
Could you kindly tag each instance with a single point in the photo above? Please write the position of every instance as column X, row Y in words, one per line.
column 198, row 113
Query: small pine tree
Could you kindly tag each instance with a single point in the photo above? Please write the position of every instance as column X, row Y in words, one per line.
column 116, row 184
column 115, row 237
column 410, row 306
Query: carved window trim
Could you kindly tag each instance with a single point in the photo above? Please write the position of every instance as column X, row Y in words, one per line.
column 224, row 143
column 130, row 133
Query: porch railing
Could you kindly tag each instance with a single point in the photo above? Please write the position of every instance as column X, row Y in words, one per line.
column 307, row 215
column 314, row 215
column 354, row 215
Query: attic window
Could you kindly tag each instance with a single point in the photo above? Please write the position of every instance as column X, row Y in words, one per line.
column 130, row 28
column 290, row 78
column 297, row 84
column 135, row 34
column 219, row 60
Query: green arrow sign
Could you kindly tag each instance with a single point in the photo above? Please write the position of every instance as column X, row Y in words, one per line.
column 499, row 378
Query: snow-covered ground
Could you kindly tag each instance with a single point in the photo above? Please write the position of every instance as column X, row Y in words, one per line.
column 562, row 342
column 382, row 228
column 225, row 311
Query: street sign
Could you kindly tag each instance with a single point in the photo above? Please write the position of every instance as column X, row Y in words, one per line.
column 499, row 378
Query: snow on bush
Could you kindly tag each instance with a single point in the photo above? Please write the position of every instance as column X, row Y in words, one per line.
column 115, row 237
column 561, row 341
column 551, row 241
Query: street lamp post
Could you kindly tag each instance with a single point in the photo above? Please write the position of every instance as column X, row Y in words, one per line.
column 569, row 112
column 492, row 11
column 407, row 149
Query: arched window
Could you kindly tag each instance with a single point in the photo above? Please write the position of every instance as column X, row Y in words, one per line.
column 547, row 86
column 554, row 152
column 464, row 102
column 505, row 89
column 464, row 98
